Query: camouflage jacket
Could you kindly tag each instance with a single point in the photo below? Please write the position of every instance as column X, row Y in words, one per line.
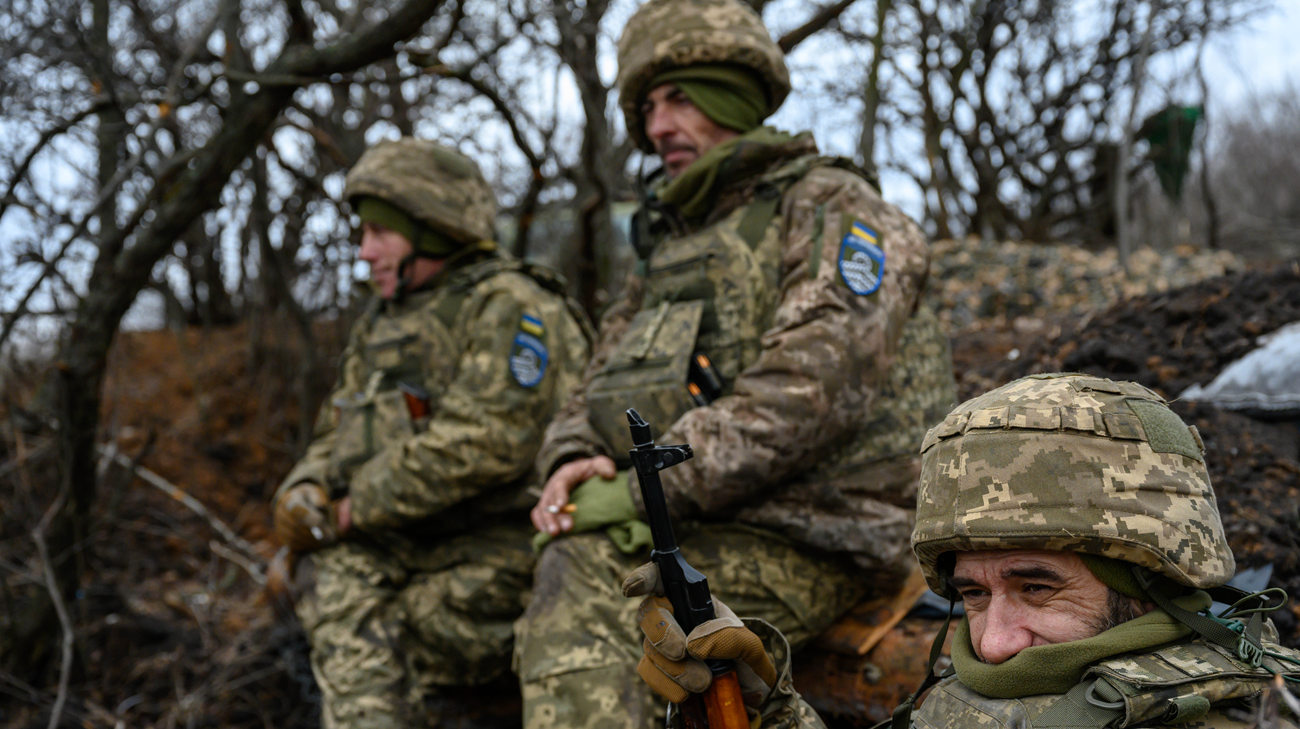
column 802, row 288
column 489, row 352
column 1192, row 684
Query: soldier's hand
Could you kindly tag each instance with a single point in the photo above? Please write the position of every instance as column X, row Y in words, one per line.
column 673, row 664
column 548, row 516
column 305, row 520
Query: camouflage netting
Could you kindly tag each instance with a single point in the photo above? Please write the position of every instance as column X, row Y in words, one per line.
column 977, row 284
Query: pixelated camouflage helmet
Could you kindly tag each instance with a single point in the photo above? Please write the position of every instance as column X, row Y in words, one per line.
column 668, row 34
column 1074, row 463
column 435, row 185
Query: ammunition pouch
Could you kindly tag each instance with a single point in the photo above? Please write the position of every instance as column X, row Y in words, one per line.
column 648, row 372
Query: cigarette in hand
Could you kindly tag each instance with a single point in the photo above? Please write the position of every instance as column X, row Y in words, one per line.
column 566, row 509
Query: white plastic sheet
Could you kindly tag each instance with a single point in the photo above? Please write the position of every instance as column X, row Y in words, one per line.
column 1264, row 383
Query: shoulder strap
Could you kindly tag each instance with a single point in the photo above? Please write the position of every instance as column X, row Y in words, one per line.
column 1089, row 705
column 760, row 213
column 459, row 290
column 459, row 287
column 767, row 197
column 449, row 306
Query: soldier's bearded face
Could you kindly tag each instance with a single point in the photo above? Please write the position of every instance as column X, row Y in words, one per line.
column 384, row 249
column 679, row 131
column 1019, row 598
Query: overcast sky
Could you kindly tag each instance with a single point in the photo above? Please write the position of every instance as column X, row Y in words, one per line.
column 1260, row 56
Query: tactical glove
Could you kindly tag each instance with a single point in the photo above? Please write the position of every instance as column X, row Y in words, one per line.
column 305, row 520
column 673, row 664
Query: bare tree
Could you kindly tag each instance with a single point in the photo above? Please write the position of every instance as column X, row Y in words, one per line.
column 1014, row 104
column 165, row 185
column 1257, row 188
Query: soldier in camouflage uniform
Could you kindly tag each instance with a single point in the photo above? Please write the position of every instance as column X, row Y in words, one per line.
column 1074, row 519
column 774, row 322
column 409, row 505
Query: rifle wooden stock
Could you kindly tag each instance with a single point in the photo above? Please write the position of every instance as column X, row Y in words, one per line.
column 720, row 706
column 723, row 703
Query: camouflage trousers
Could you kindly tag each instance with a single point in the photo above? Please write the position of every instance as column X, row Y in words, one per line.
column 578, row 644
column 389, row 626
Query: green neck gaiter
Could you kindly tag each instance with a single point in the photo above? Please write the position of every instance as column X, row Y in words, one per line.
column 1057, row 668
column 692, row 192
column 424, row 240
column 731, row 96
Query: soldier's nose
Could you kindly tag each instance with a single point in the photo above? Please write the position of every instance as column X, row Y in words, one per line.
column 1004, row 633
column 368, row 246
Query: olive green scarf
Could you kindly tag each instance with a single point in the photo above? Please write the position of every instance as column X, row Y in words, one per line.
column 694, row 190
column 1057, row 668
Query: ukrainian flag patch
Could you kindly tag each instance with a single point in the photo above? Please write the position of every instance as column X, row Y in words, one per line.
column 862, row 260
column 528, row 355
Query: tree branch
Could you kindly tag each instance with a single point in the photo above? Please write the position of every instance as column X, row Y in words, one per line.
column 111, row 453
column 818, row 21
column 358, row 49
column 56, row 595
column 100, row 103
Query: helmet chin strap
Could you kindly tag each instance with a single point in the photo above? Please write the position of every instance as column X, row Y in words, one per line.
column 403, row 277
column 1233, row 633
column 902, row 716
column 404, row 266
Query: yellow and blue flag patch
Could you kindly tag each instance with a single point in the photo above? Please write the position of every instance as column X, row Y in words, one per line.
column 528, row 356
column 862, row 260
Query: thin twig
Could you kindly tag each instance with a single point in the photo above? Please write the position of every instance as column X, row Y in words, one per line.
column 271, row 79
column 97, row 104
column 252, row 569
column 148, row 142
column 252, row 558
column 56, row 595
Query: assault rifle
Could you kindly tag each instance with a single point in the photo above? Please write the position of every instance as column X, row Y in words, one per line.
column 721, row 706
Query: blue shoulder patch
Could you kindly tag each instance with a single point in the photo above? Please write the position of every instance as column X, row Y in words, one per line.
column 528, row 356
column 862, row 260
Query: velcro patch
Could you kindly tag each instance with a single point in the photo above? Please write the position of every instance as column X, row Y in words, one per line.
column 862, row 260
column 528, row 356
